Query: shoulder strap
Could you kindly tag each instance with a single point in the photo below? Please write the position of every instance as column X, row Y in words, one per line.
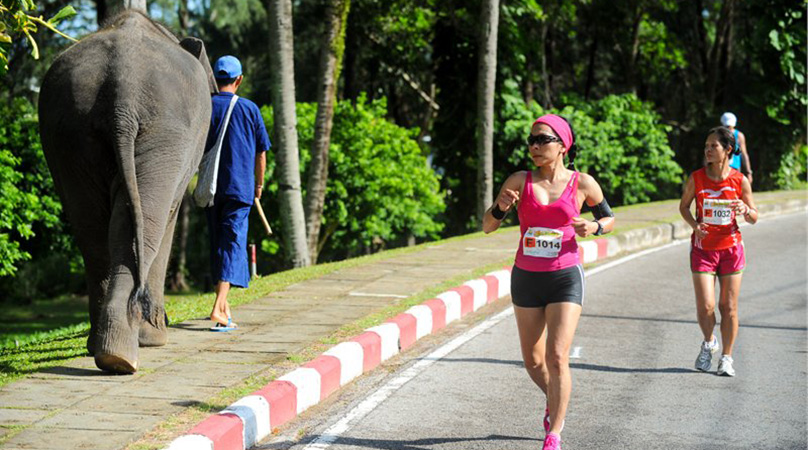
column 574, row 180
column 698, row 181
column 220, row 138
column 527, row 189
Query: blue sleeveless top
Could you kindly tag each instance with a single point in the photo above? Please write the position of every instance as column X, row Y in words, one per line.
column 735, row 160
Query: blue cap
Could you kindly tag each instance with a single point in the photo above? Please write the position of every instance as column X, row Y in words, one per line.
column 227, row 67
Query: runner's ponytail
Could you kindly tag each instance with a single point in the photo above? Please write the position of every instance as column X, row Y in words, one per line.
column 573, row 150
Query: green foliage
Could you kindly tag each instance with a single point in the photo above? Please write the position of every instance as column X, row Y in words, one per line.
column 624, row 144
column 793, row 171
column 621, row 143
column 661, row 53
column 380, row 189
column 788, row 38
column 15, row 21
column 26, row 189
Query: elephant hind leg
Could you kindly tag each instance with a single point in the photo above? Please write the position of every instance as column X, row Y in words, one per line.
column 155, row 333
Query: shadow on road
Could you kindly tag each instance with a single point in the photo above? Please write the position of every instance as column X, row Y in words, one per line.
column 74, row 371
column 417, row 444
column 599, row 368
column 657, row 319
column 482, row 360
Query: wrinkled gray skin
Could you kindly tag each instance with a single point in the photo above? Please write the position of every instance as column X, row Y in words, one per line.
column 123, row 119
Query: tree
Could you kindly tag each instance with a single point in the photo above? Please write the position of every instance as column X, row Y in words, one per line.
column 15, row 21
column 486, row 79
column 283, row 101
column 333, row 47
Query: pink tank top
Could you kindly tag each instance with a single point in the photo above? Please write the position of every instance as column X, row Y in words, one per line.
column 548, row 238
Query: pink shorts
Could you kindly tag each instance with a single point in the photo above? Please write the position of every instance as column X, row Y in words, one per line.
column 728, row 261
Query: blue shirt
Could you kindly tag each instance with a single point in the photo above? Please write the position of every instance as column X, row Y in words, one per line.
column 246, row 135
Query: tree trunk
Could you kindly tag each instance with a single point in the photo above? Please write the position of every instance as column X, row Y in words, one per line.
column 184, row 16
column 702, row 33
column 333, row 48
column 529, row 89
column 177, row 281
column 486, row 80
column 719, row 49
column 726, row 62
column 350, row 76
column 283, row 103
column 590, row 69
column 545, row 56
column 176, row 277
column 106, row 9
column 635, row 50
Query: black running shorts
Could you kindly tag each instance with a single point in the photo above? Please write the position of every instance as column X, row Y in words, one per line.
column 539, row 289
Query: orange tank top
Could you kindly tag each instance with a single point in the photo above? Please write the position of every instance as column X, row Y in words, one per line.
column 713, row 208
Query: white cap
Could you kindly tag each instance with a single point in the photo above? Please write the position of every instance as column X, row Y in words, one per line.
column 728, row 119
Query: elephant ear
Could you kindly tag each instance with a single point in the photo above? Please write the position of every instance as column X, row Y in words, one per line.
column 196, row 47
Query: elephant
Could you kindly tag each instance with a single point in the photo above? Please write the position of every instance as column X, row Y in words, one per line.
column 124, row 115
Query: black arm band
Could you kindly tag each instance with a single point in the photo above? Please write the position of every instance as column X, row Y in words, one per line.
column 497, row 213
column 601, row 210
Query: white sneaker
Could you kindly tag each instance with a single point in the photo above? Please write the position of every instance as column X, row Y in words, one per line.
column 725, row 366
column 705, row 358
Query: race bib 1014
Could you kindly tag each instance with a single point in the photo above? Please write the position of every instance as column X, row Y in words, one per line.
column 718, row 212
column 542, row 242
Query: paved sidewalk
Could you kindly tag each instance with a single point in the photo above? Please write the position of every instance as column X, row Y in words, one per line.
column 78, row 407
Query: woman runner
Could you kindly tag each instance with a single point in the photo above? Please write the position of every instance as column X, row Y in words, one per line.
column 547, row 282
column 721, row 194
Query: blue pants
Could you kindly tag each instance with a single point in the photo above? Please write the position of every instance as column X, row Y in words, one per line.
column 227, row 223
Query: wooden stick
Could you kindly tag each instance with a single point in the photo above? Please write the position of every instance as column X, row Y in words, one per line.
column 263, row 217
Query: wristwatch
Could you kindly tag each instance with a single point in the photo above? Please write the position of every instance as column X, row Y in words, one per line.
column 600, row 228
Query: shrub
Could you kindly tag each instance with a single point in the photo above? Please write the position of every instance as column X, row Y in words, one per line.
column 793, row 170
column 380, row 191
column 621, row 142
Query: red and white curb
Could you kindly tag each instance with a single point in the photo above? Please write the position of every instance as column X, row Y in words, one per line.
column 249, row 420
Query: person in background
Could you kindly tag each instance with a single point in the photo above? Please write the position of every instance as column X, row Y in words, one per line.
column 740, row 156
column 240, row 182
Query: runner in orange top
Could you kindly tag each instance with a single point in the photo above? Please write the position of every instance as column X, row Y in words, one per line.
column 721, row 195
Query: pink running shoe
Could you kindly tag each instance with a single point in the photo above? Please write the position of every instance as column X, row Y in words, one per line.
column 546, row 420
column 552, row 442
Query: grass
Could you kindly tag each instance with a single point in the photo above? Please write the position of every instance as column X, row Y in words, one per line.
column 51, row 332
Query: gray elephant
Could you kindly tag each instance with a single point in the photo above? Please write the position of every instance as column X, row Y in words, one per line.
column 124, row 114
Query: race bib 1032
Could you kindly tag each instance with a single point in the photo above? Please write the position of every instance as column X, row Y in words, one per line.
column 718, row 211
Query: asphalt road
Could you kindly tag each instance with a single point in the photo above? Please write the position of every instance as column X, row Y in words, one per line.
column 634, row 386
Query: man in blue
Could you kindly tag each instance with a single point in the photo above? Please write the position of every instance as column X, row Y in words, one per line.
column 239, row 183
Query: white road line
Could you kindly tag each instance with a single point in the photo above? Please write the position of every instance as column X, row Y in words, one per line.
column 576, row 353
column 628, row 258
column 365, row 294
column 366, row 406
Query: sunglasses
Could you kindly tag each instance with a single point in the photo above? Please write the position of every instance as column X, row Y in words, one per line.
column 541, row 139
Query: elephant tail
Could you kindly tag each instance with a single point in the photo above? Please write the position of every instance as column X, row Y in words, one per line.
column 140, row 302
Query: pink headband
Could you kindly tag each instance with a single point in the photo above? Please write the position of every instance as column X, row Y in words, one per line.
column 560, row 126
